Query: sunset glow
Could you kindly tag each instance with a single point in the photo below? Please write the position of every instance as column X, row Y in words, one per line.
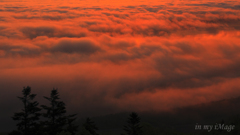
column 121, row 55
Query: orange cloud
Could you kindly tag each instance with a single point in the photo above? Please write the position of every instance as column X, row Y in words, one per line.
column 123, row 55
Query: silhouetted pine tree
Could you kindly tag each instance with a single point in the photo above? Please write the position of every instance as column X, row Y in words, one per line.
column 133, row 127
column 71, row 127
column 90, row 126
column 30, row 113
column 55, row 114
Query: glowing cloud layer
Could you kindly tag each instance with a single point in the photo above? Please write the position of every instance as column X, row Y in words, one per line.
column 108, row 57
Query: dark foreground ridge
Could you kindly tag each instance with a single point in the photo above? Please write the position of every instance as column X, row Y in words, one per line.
column 214, row 118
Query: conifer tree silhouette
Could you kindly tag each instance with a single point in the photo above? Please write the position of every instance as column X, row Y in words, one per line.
column 70, row 124
column 30, row 113
column 133, row 127
column 55, row 114
column 90, row 126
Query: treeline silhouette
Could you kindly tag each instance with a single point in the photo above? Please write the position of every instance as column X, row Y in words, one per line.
column 52, row 119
